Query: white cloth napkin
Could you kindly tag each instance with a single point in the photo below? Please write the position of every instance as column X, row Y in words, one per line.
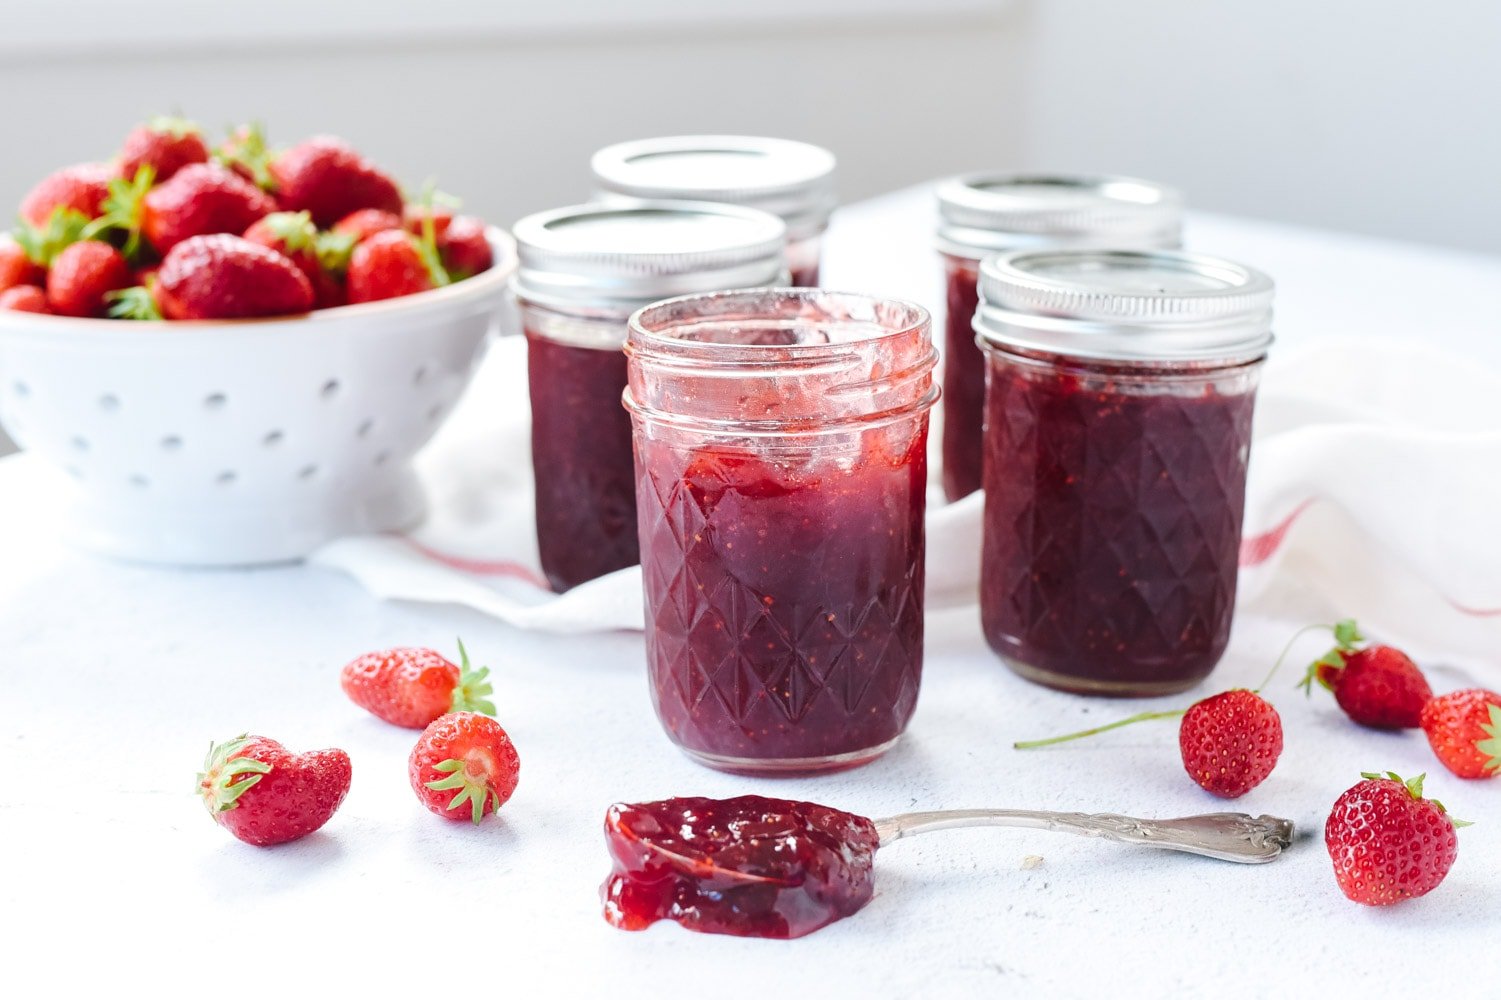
column 1375, row 491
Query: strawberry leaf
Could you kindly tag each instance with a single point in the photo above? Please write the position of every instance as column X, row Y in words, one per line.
column 1347, row 634
column 334, row 250
column 469, row 694
column 133, row 303
column 248, row 151
column 1491, row 746
column 173, row 125
column 42, row 244
column 217, row 782
column 122, row 211
column 295, row 230
column 476, row 793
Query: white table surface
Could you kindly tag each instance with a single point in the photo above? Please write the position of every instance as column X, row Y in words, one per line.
column 116, row 677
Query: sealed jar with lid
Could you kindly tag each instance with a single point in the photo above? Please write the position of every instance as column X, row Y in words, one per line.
column 781, row 448
column 583, row 271
column 792, row 180
column 981, row 214
column 1117, row 433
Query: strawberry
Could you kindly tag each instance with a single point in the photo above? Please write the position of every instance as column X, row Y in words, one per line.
column 165, row 144
column 1229, row 742
column 264, row 794
column 386, row 266
column 366, row 222
column 24, row 298
column 329, row 179
column 201, row 198
column 83, row 275
column 82, row 188
column 293, row 235
column 468, row 754
column 246, row 153
column 1388, row 843
column 465, row 248
column 226, row 277
column 1464, row 729
column 412, row 687
column 17, row 267
column 1377, row 686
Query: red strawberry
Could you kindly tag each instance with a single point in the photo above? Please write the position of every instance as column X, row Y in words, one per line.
column 24, row 298
column 164, row 144
column 82, row 188
column 466, row 754
column 1377, row 686
column 293, row 235
column 386, row 266
column 1230, row 741
column 465, row 248
column 83, row 275
column 367, row 222
column 262, row 793
column 201, row 198
column 226, row 277
column 1388, row 843
column 328, row 178
column 1464, row 729
column 412, row 687
column 17, row 267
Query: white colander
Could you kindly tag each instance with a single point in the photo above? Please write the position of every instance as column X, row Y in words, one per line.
column 233, row 443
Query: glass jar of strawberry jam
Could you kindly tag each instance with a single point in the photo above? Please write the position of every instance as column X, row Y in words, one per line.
column 793, row 180
column 1117, row 432
column 781, row 459
column 980, row 214
column 582, row 272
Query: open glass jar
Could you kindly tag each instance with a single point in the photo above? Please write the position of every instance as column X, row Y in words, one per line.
column 781, row 442
column 792, row 180
column 980, row 214
column 1117, row 433
column 583, row 271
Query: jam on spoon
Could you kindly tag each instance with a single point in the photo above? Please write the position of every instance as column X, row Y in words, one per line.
column 760, row 867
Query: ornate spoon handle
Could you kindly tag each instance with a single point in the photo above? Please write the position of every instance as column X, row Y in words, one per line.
column 1228, row 836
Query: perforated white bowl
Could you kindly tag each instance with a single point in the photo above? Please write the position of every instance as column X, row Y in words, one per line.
column 253, row 441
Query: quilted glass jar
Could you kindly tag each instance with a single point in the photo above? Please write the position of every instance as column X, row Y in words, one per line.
column 981, row 214
column 1120, row 389
column 781, row 442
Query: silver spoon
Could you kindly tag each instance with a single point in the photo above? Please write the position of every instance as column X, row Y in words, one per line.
column 1248, row 840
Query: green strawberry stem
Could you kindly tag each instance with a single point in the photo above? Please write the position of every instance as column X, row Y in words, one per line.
column 1346, row 636
column 133, row 303
column 122, row 211
column 1139, row 717
column 1414, row 788
column 1491, row 747
column 469, row 695
column 217, row 782
column 475, row 792
column 65, row 226
column 427, row 244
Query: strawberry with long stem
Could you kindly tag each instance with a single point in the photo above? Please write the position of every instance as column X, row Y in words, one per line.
column 1376, row 685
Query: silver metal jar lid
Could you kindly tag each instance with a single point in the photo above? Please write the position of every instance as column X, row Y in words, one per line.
column 982, row 213
column 1125, row 305
column 624, row 257
column 793, row 180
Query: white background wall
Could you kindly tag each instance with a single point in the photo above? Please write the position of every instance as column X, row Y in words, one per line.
column 1369, row 115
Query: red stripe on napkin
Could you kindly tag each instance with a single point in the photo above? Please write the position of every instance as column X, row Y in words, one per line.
column 480, row 567
column 1257, row 549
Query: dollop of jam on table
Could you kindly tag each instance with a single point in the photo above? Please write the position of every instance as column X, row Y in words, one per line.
column 748, row 866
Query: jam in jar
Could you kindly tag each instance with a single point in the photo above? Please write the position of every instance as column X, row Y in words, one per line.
column 583, row 271
column 984, row 213
column 781, row 461
column 793, row 180
column 1117, row 433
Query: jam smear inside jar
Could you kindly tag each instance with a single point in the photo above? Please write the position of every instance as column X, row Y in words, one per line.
column 963, row 382
column 748, row 866
column 1120, row 392
column 780, row 447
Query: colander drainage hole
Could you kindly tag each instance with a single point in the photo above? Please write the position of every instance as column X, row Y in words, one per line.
column 366, row 426
column 139, row 481
column 381, row 456
column 272, row 439
column 435, row 411
column 307, row 472
column 109, row 402
column 420, row 375
column 22, row 390
column 80, row 443
column 171, row 442
column 74, row 471
column 215, row 401
column 330, row 389
column 225, row 478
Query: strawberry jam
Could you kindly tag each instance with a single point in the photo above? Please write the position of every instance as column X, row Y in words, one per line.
column 963, row 383
column 1117, row 434
column 585, row 478
column 780, row 449
column 748, row 866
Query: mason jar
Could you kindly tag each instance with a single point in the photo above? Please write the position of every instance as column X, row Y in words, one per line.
column 792, row 180
column 1117, row 431
column 583, row 271
column 781, row 443
column 980, row 214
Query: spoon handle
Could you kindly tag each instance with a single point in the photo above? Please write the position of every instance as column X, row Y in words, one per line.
column 1228, row 836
